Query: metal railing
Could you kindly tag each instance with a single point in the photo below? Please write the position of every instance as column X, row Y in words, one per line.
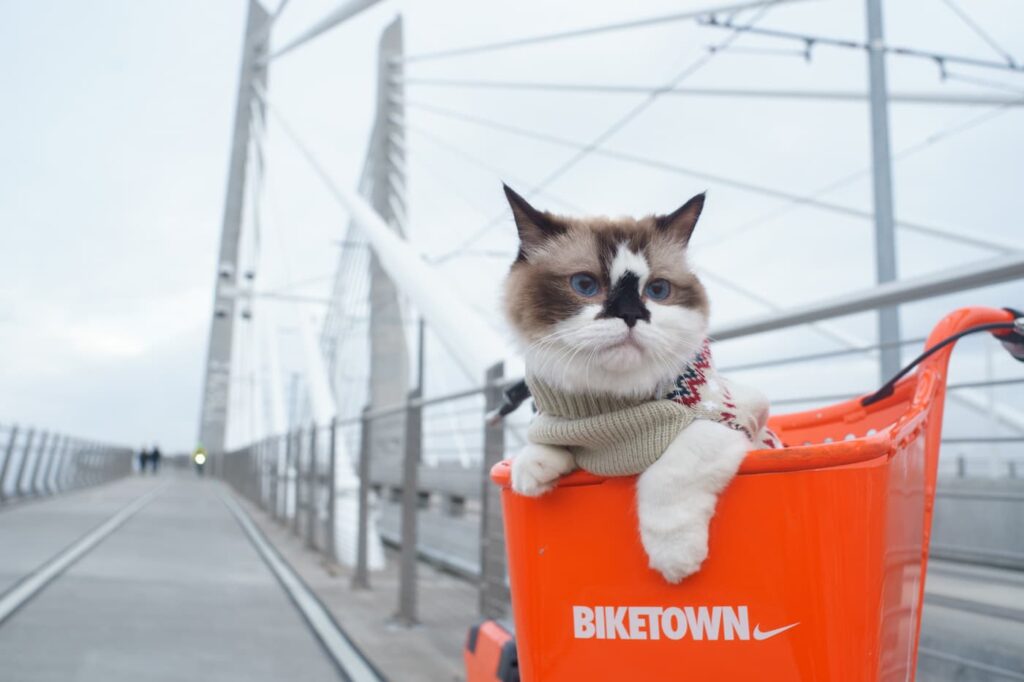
column 427, row 489
column 406, row 482
column 37, row 463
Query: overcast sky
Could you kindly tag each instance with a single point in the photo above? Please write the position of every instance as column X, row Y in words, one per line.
column 115, row 135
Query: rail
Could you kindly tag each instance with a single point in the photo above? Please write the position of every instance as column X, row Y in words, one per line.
column 37, row 463
column 429, row 494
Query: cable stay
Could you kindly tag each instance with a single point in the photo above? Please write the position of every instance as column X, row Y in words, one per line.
column 930, row 98
column 943, row 233
column 941, row 59
column 589, row 31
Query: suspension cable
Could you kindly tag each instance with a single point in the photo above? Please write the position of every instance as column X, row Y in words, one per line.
column 457, row 151
column 710, row 177
column 595, row 145
column 939, row 58
column 757, row 93
column 979, row 31
column 938, row 136
column 689, row 15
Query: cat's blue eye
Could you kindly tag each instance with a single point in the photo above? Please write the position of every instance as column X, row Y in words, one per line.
column 658, row 289
column 584, row 284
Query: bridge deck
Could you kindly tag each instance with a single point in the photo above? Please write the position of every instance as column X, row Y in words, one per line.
column 177, row 592
column 175, row 578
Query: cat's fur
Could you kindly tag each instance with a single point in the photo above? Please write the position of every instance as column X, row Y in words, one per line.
column 622, row 342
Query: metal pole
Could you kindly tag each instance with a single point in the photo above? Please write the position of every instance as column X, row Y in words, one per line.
column 332, row 493
column 8, row 456
column 361, row 577
column 494, row 597
column 67, row 466
column 266, row 481
column 90, row 465
column 16, row 472
column 885, row 230
column 275, row 475
column 57, row 465
column 407, row 607
column 312, row 510
column 288, row 494
column 83, row 473
column 31, row 463
column 43, row 470
column 299, row 502
column 77, row 467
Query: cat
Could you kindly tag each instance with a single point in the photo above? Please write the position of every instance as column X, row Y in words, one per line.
column 613, row 327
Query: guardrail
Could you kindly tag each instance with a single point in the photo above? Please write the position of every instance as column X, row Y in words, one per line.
column 293, row 477
column 36, row 463
column 422, row 469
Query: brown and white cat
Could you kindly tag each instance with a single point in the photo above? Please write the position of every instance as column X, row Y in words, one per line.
column 610, row 307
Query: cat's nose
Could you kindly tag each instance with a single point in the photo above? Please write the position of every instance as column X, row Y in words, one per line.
column 625, row 302
column 629, row 311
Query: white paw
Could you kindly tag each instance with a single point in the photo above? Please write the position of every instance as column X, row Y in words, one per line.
column 677, row 495
column 676, row 552
column 536, row 468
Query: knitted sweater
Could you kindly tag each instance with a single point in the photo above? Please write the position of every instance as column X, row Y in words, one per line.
column 615, row 436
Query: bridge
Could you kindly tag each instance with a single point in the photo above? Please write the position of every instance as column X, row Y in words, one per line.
column 343, row 525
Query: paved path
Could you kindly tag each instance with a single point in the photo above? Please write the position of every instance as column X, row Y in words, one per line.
column 177, row 592
column 176, row 587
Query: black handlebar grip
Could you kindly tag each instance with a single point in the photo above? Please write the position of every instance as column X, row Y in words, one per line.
column 1013, row 341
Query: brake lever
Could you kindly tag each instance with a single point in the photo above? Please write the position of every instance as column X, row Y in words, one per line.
column 512, row 397
column 1013, row 341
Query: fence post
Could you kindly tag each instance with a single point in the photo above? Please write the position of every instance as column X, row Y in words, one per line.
column 261, row 474
column 28, row 466
column 275, row 477
column 332, row 493
column 8, row 456
column 961, row 466
column 16, row 472
column 91, row 473
column 493, row 592
column 361, row 577
column 298, row 480
column 287, row 477
column 255, row 473
column 312, row 510
column 67, row 466
column 268, row 453
column 407, row 607
column 84, row 468
column 57, row 465
column 38, row 481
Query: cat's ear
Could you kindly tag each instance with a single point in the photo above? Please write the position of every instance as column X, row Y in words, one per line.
column 682, row 221
column 534, row 226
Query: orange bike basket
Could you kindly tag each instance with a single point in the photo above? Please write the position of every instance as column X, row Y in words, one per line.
column 816, row 565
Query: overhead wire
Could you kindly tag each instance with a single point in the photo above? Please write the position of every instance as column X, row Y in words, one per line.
column 809, row 40
column 984, row 83
column 849, row 178
column 753, row 93
column 688, row 15
column 457, row 151
column 979, row 31
column 710, row 177
column 596, row 143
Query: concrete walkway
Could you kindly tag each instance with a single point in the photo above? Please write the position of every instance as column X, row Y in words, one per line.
column 180, row 589
column 175, row 593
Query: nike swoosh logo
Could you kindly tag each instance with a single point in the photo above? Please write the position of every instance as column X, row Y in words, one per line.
column 759, row 636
